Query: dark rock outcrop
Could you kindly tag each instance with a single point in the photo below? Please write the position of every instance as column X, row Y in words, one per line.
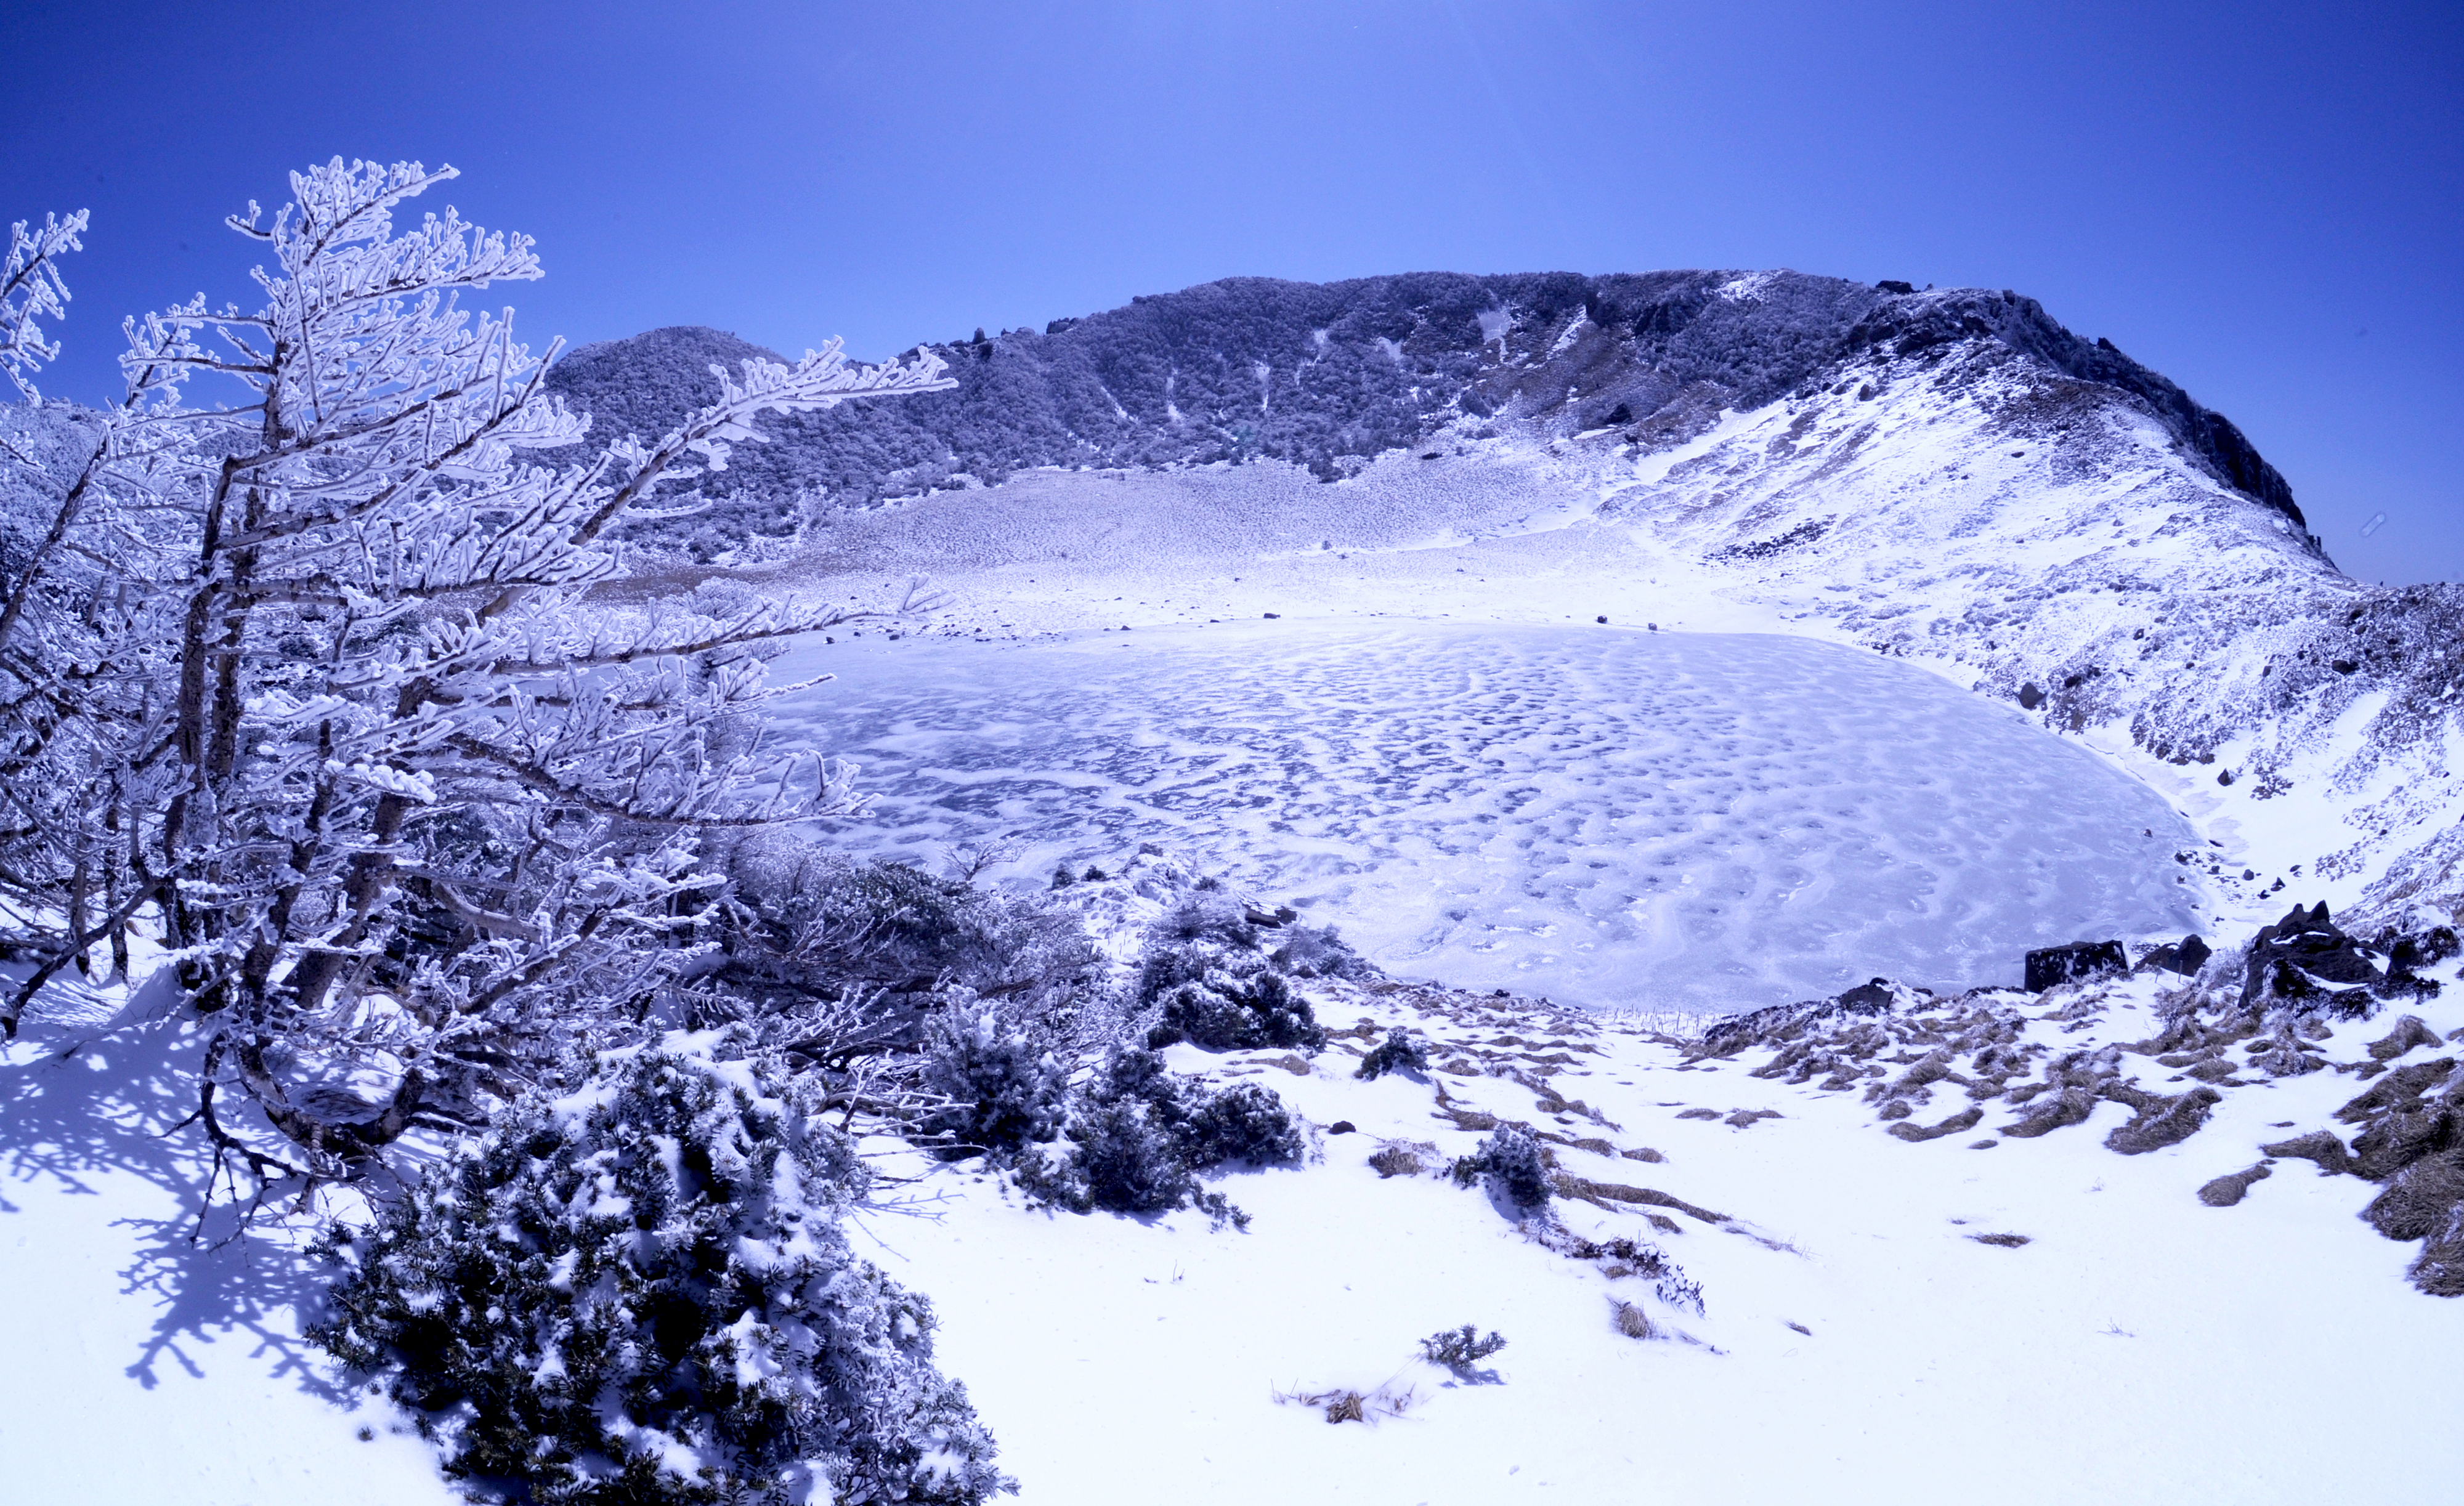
column 2303, row 959
column 2186, row 956
column 2074, row 962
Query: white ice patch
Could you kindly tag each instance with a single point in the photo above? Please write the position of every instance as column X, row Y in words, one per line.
column 1608, row 817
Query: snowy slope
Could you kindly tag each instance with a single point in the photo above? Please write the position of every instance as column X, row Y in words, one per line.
column 1857, row 1340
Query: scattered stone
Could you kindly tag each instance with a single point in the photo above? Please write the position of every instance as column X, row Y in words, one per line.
column 1982, row 1145
column 2001, row 1241
column 1342, row 1126
column 2074, row 962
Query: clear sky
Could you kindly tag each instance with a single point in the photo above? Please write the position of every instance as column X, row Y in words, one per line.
column 2265, row 202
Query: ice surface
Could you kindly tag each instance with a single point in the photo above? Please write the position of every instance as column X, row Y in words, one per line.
column 1610, row 818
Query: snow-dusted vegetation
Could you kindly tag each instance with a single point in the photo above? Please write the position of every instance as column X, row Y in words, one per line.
column 472, row 1032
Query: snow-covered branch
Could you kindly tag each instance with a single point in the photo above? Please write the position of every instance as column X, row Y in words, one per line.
column 30, row 289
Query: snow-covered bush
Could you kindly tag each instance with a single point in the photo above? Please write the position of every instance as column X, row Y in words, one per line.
column 1401, row 1051
column 641, row 1292
column 1510, row 1161
column 1316, row 952
column 1139, row 1134
column 1458, row 1350
column 1006, row 1089
column 1211, row 989
column 803, row 922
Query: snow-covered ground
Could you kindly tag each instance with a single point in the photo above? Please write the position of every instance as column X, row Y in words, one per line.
column 1611, row 816
column 148, row 1360
column 1857, row 1341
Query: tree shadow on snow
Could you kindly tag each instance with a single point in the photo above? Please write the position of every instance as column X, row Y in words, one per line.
column 96, row 1089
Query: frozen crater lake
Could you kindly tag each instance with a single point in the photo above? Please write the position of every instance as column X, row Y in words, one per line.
column 1614, row 818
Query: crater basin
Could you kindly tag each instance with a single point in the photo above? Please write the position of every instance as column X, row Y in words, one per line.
column 1683, row 822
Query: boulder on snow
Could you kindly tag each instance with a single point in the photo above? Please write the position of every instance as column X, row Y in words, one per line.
column 1873, row 998
column 2304, row 959
column 2186, row 956
column 2048, row 965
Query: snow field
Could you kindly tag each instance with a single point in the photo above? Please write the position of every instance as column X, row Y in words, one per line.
column 2141, row 1346
column 1616, row 818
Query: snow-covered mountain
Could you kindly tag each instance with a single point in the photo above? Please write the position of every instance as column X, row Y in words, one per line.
column 1327, row 375
column 1946, row 476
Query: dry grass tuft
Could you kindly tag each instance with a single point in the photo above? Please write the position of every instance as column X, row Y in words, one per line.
column 1630, row 1319
column 2001, row 1241
column 1346, row 1404
column 2226, row 1190
column 1403, row 1157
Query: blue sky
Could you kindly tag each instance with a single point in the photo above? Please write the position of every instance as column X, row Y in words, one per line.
column 2265, row 202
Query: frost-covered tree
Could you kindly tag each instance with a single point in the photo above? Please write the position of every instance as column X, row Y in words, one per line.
column 32, row 290
column 415, row 794
column 641, row 1291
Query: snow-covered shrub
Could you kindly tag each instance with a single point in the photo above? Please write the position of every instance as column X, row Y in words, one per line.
column 641, row 1292
column 1006, row 1089
column 1207, row 913
column 805, row 922
column 1316, row 952
column 1139, row 1134
column 1222, row 998
column 1511, row 1161
column 1458, row 1350
column 1126, row 1160
column 1399, row 1052
column 1243, row 1123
